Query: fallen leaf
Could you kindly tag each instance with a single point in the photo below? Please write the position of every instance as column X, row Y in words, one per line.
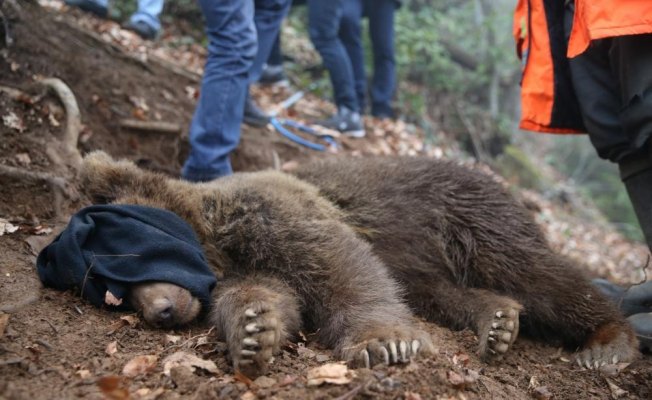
column 111, row 348
column 616, row 392
column 113, row 387
column 183, row 359
column 6, row 227
column 83, row 373
column 264, row 382
column 248, row 395
column 337, row 374
column 139, row 365
column 12, row 121
column 456, row 379
column 53, row 120
column 23, row 159
column 4, row 320
column 41, row 230
column 131, row 320
column 172, row 339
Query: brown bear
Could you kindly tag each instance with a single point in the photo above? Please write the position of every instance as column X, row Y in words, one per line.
column 351, row 248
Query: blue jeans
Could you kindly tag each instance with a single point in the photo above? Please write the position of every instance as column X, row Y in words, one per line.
column 324, row 17
column 236, row 53
column 148, row 12
column 381, row 31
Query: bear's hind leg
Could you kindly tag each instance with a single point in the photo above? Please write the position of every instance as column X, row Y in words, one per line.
column 255, row 316
column 493, row 317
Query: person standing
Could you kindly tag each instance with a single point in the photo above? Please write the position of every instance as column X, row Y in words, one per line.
column 324, row 18
column 381, row 33
column 145, row 21
column 240, row 36
column 587, row 67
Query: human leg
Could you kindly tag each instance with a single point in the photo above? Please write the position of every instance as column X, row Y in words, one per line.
column 145, row 21
column 381, row 30
column 351, row 37
column 97, row 7
column 215, row 128
column 323, row 25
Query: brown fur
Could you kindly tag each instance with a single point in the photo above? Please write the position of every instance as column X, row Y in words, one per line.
column 271, row 227
column 462, row 247
column 449, row 241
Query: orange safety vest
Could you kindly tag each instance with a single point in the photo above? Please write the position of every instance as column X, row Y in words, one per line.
column 548, row 102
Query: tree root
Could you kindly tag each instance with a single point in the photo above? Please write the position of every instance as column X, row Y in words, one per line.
column 73, row 118
column 71, row 160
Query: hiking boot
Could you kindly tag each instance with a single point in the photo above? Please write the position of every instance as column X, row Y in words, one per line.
column 633, row 300
column 253, row 115
column 642, row 325
column 89, row 6
column 142, row 29
column 346, row 121
column 273, row 75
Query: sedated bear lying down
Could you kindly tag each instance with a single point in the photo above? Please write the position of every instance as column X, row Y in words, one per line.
column 354, row 248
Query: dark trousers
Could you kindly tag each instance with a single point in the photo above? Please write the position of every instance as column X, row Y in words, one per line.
column 613, row 83
column 240, row 36
column 324, row 17
column 381, row 33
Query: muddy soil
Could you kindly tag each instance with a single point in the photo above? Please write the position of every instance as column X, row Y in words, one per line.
column 54, row 345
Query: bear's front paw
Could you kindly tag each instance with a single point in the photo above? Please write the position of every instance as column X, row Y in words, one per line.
column 256, row 340
column 389, row 345
column 610, row 344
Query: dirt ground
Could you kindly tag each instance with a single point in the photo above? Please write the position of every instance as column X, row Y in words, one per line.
column 54, row 345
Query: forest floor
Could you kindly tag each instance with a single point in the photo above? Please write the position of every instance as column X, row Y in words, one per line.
column 55, row 345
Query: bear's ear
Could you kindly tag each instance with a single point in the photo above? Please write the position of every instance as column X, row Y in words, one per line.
column 103, row 179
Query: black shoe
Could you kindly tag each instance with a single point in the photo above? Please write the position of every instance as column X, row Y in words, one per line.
column 346, row 121
column 143, row 30
column 273, row 75
column 642, row 325
column 253, row 115
column 89, row 6
column 635, row 300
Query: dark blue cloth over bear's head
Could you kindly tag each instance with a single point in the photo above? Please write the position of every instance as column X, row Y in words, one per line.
column 111, row 247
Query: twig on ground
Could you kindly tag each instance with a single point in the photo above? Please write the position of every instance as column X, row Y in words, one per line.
column 350, row 394
column 151, row 126
column 54, row 328
column 13, row 93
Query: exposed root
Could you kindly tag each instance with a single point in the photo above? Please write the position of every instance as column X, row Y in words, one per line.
column 13, row 93
column 73, row 119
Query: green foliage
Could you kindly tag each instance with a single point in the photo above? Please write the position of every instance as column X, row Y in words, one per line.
column 518, row 169
column 598, row 180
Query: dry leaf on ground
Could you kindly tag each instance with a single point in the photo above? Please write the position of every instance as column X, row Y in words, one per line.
column 337, row 374
column 139, row 365
column 183, row 359
column 4, row 320
column 113, row 387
